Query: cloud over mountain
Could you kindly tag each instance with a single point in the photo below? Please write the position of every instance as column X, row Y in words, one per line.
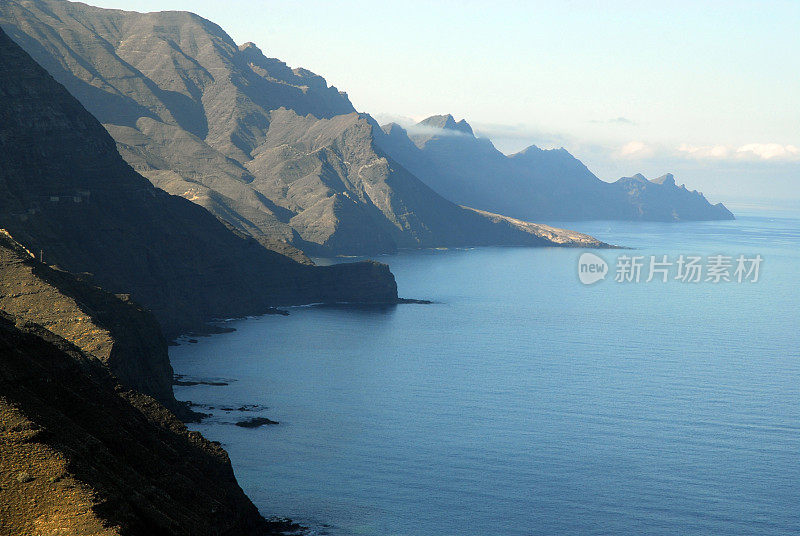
column 750, row 151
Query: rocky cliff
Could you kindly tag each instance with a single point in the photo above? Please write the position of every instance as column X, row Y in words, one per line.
column 273, row 151
column 81, row 455
column 66, row 192
column 534, row 184
column 661, row 199
column 114, row 329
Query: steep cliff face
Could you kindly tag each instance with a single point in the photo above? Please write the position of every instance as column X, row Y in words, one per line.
column 81, row 455
column 273, row 151
column 534, row 184
column 66, row 192
column 348, row 195
column 662, row 199
column 113, row 329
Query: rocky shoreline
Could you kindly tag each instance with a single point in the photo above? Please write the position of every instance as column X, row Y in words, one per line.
column 83, row 455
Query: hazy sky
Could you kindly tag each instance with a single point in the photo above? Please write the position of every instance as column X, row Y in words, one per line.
column 707, row 90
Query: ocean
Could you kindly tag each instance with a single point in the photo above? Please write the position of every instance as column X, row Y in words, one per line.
column 523, row 401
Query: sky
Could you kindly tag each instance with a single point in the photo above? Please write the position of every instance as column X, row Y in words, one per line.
column 707, row 90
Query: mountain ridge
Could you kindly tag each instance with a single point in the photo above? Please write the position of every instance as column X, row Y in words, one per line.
column 63, row 181
column 240, row 143
column 534, row 184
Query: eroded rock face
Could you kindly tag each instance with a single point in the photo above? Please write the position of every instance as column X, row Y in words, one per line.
column 114, row 329
column 65, row 190
column 81, row 455
column 273, row 151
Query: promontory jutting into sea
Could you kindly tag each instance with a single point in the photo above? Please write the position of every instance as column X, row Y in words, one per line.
column 233, row 302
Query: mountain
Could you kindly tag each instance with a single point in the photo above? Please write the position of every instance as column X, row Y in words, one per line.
column 663, row 200
column 534, row 184
column 66, row 193
column 82, row 455
column 274, row 152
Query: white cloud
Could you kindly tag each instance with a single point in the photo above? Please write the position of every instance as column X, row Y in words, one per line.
column 769, row 151
column 402, row 120
column 635, row 149
column 751, row 151
column 423, row 130
column 704, row 151
column 614, row 121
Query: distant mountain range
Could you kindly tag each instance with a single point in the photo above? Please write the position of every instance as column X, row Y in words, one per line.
column 270, row 150
column 534, row 184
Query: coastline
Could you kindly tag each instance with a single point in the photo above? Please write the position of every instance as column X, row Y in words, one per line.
column 345, row 429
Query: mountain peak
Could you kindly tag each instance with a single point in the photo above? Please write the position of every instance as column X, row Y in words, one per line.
column 534, row 154
column 529, row 151
column 536, row 151
column 668, row 179
column 447, row 122
column 251, row 48
column 393, row 129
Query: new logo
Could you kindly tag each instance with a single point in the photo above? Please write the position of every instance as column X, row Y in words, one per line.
column 591, row 268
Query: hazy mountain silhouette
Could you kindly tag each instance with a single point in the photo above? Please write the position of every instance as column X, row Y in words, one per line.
column 534, row 184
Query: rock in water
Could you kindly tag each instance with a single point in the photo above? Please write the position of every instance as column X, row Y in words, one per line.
column 255, row 422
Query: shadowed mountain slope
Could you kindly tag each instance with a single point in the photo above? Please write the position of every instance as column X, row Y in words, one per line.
column 534, row 184
column 81, row 455
column 114, row 329
column 273, row 151
column 65, row 190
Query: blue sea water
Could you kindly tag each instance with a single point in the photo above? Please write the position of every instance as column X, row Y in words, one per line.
column 523, row 402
